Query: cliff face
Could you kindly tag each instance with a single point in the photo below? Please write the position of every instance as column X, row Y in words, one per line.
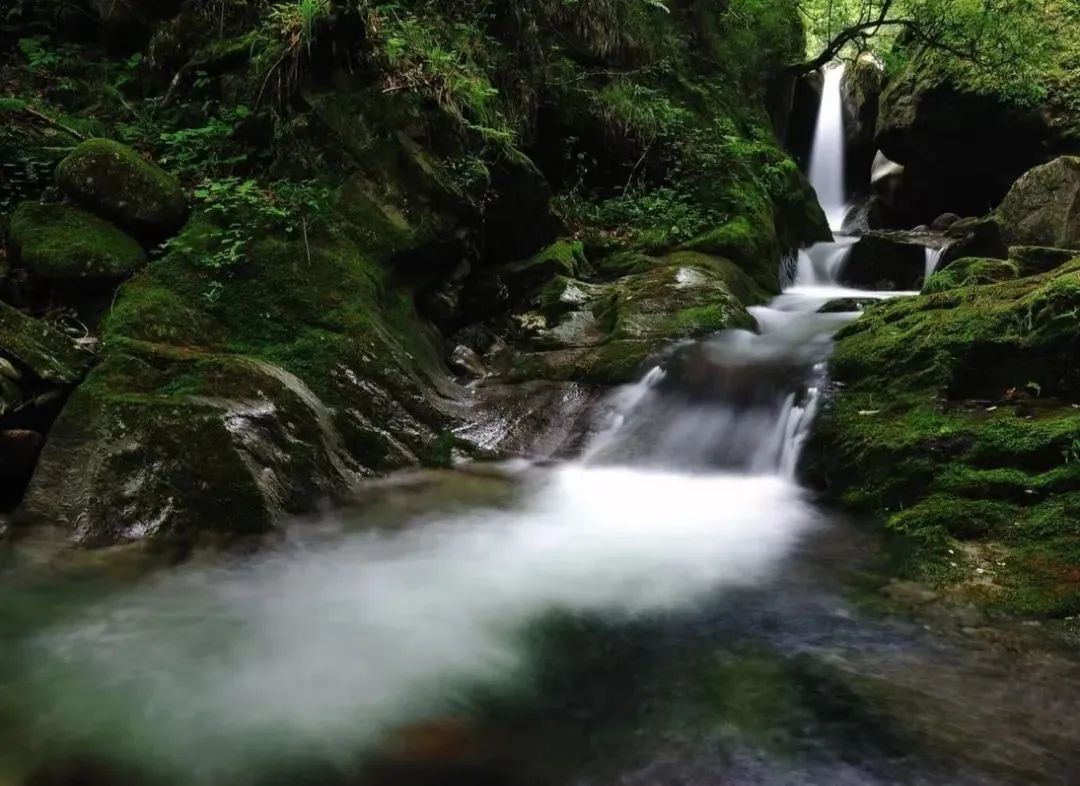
column 362, row 209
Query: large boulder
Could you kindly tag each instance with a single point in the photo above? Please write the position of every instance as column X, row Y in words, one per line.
column 166, row 446
column 1043, row 206
column 115, row 182
column 64, row 243
column 216, row 411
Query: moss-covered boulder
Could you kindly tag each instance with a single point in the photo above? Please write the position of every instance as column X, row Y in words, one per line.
column 1031, row 260
column 971, row 271
column 64, row 243
column 956, row 419
column 603, row 333
column 115, row 182
column 1043, row 206
column 564, row 258
column 173, row 446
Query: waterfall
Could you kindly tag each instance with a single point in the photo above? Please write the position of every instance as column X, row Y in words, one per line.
column 827, row 155
column 933, row 257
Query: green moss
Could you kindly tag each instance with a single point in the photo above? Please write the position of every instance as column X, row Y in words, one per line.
column 957, row 420
column 751, row 245
column 961, row 518
column 971, row 271
column 623, row 263
column 60, row 242
column 116, row 182
column 565, row 258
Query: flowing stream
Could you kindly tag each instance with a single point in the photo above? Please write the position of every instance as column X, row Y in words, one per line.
column 671, row 607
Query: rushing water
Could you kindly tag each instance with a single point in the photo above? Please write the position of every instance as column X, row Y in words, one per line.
column 669, row 608
column 827, row 154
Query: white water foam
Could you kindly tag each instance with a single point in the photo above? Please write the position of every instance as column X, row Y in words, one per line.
column 211, row 672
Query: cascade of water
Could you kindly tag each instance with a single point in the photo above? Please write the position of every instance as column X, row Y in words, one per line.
column 933, row 258
column 827, row 154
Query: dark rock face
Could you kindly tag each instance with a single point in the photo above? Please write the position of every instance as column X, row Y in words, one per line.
column 973, row 237
column 806, row 104
column 961, row 149
column 1043, row 206
column 886, row 261
column 518, row 221
column 860, row 91
column 115, row 182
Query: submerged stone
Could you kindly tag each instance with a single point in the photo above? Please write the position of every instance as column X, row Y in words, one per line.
column 65, row 243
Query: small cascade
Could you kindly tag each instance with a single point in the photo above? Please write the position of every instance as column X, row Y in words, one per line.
column 821, row 264
column 933, row 258
column 827, row 154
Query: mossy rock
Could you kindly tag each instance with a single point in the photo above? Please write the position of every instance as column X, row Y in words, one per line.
column 605, row 333
column 172, row 447
column 1043, row 206
column 751, row 245
column 523, row 278
column 1032, row 260
column 117, row 183
column 221, row 407
column 971, row 271
column 35, row 347
column 64, row 243
column 955, row 419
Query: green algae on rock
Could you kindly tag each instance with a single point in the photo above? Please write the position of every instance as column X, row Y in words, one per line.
column 63, row 243
column 114, row 181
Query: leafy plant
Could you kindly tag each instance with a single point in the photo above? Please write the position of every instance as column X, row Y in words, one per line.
column 40, row 56
column 243, row 210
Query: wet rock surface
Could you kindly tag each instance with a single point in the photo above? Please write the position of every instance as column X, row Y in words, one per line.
column 1043, row 206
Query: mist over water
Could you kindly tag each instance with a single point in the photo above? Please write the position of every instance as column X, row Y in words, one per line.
column 319, row 648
